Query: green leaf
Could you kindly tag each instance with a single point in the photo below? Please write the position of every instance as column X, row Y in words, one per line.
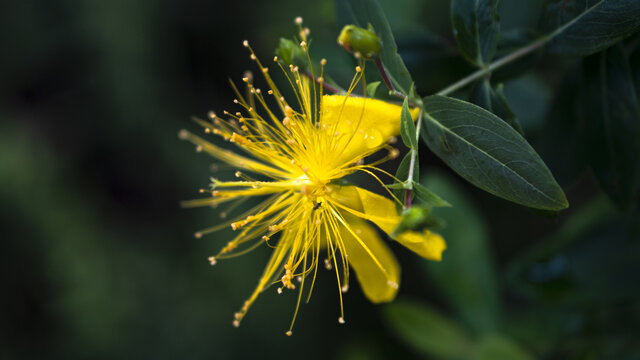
column 465, row 277
column 365, row 12
column 496, row 346
column 488, row 153
column 428, row 197
column 407, row 126
column 612, row 125
column 426, row 330
column 585, row 27
column 476, row 27
column 485, row 96
column 403, row 172
column 372, row 88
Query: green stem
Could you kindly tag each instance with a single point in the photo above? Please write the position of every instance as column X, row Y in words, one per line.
column 494, row 66
column 412, row 163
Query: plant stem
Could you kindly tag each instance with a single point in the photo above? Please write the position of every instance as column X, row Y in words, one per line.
column 494, row 66
column 412, row 163
column 386, row 79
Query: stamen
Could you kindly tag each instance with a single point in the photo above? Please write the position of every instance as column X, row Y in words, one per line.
column 393, row 284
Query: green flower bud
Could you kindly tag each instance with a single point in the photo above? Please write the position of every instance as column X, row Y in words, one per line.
column 290, row 52
column 417, row 218
column 363, row 43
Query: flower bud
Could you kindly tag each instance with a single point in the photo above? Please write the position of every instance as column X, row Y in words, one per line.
column 290, row 52
column 363, row 43
column 417, row 218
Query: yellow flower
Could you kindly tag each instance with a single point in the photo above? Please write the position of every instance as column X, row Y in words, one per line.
column 299, row 155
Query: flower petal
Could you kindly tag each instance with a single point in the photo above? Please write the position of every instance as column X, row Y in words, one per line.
column 378, row 285
column 427, row 244
column 367, row 205
column 382, row 212
column 362, row 125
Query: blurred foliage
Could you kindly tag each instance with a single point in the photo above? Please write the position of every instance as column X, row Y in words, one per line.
column 99, row 260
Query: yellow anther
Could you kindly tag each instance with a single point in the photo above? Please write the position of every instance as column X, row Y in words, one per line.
column 197, row 235
column 327, row 264
column 199, row 148
column 303, row 44
column 236, row 323
column 393, row 284
column 323, row 62
column 345, row 288
column 358, row 69
column 212, row 115
column 212, row 260
column 245, row 43
column 341, row 320
column 239, row 139
column 289, row 333
column 298, row 20
column 275, row 58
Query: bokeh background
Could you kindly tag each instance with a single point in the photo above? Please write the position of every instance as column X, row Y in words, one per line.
column 98, row 259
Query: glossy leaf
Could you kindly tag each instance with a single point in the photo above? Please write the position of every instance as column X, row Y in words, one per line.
column 426, row 330
column 476, row 28
column 365, row 12
column 584, row 27
column 612, row 124
column 465, row 277
column 490, row 154
column 407, row 126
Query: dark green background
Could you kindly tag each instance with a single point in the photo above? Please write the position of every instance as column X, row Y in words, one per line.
column 98, row 259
